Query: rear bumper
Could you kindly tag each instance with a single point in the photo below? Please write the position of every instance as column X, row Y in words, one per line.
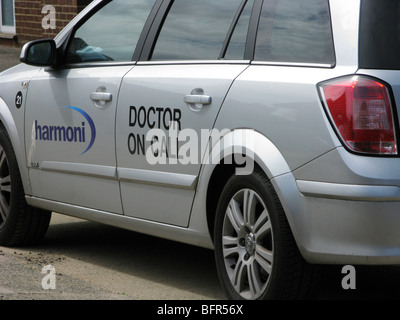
column 343, row 222
column 352, row 231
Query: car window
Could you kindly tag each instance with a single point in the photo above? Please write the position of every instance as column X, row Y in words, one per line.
column 295, row 31
column 195, row 30
column 111, row 33
column 380, row 34
column 237, row 44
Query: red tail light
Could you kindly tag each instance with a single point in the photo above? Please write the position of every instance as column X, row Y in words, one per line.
column 361, row 110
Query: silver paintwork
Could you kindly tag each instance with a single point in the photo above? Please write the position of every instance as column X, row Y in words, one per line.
column 175, row 180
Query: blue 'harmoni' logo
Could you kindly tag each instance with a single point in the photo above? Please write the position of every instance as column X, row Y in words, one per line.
column 67, row 134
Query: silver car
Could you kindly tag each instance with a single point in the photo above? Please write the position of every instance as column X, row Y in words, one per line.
column 266, row 130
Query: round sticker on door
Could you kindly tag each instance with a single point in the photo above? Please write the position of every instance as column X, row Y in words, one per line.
column 18, row 100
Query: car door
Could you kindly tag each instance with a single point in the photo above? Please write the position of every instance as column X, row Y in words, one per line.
column 70, row 116
column 168, row 104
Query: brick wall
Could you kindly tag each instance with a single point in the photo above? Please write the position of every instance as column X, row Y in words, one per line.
column 29, row 16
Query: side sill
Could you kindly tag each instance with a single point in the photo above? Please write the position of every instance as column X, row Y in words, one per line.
column 161, row 230
column 349, row 192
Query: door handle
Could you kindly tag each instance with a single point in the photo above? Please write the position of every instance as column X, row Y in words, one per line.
column 101, row 96
column 197, row 99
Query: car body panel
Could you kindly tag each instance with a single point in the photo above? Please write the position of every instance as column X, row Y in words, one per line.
column 67, row 132
column 159, row 92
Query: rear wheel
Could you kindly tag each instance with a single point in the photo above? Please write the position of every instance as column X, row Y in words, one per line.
column 20, row 224
column 256, row 254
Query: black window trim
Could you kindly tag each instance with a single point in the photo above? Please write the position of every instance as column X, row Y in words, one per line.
column 232, row 29
column 154, row 31
column 252, row 32
column 146, row 29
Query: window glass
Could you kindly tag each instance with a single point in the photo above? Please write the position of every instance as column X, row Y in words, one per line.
column 195, row 30
column 380, row 34
column 7, row 13
column 237, row 44
column 110, row 34
column 295, row 31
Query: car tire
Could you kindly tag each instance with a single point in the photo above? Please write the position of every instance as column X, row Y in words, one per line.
column 256, row 255
column 20, row 224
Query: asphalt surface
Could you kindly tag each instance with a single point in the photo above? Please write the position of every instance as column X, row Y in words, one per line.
column 97, row 262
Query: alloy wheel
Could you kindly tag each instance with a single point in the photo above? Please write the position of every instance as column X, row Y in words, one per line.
column 247, row 244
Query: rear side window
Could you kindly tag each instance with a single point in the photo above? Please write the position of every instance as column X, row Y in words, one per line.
column 195, row 30
column 295, row 31
column 380, row 34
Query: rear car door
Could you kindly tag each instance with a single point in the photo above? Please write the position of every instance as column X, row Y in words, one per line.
column 170, row 101
column 70, row 115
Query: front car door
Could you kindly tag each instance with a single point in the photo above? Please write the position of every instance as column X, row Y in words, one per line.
column 168, row 104
column 70, row 116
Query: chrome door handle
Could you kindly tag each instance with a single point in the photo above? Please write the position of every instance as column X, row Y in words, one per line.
column 101, row 96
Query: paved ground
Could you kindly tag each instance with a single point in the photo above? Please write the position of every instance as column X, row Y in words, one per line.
column 93, row 261
column 8, row 57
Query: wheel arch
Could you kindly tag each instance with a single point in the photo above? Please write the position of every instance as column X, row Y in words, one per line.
column 254, row 147
column 8, row 122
